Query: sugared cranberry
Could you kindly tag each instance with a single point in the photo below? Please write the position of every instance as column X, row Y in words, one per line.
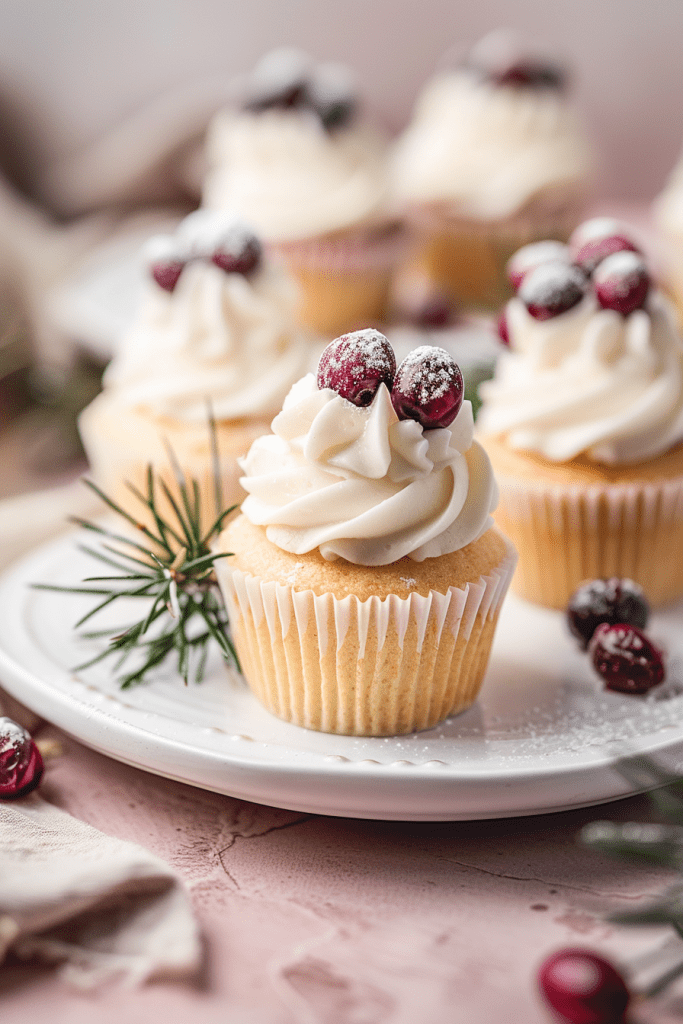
column 166, row 273
column 278, row 80
column 502, row 327
column 583, row 988
column 238, row 255
column 613, row 600
column 355, row 365
column 625, row 658
column 533, row 255
column 428, row 387
column 330, row 92
column 21, row 765
column 529, row 74
column 551, row 289
column 622, row 282
column 592, row 253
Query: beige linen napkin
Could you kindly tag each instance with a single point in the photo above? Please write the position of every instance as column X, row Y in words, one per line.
column 105, row 908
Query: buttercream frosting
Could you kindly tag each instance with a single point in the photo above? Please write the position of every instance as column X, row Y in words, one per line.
column 489, row 151
column 290, row 178
column 227, row 339
column 360, row 484
column 589, row 382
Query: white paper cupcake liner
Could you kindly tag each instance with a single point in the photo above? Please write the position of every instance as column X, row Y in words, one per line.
column 567, row 535
column 373, row 667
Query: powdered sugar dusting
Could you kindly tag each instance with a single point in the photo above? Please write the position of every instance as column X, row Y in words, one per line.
column 536, row 253
column 625, row 264
column 409, row 581
column 431, row 372
column 362, row 359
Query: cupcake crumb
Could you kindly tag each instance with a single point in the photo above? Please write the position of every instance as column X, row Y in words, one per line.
column 291, row 576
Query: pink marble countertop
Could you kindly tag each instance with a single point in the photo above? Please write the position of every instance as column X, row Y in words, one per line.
column 336, row 921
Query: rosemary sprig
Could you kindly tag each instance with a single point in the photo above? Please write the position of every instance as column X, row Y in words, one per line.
column 173, row 571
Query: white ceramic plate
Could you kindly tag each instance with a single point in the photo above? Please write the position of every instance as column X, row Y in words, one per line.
column 543, row 735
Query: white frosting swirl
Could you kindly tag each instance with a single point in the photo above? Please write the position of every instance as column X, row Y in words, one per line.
column 360, row 484
column 225, row 338
column 490, row 151
column 290, row 178
column 589, row 381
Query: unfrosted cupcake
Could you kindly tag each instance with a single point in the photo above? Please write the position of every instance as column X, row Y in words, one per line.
column 302, row 165
column 583, row 422
column 494, row 158
column 366, row 578
column 215, row 335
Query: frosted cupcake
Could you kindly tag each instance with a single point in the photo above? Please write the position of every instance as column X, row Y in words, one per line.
column 298, row 161
column 216, row 334
column 366, row 577
column 583, row 421
column 493, row 159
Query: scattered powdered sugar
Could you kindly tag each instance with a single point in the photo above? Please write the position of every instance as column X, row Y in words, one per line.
column 355, row 355
column 409, row 581
column 595, row 229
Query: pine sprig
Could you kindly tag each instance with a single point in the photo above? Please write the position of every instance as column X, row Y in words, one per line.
column 173, row 572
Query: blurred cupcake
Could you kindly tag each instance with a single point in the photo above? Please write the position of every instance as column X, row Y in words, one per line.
column 298, row 162
column 668, row 219
column 494, row 158
column 583, row 421
column 215, row 335
column 366, row 579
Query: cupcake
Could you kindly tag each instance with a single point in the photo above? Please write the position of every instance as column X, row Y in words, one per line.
column 583, row 421
column 668, row 219
column 493, row 159
column 298, row 161
column 215, row 335
column 366, row 577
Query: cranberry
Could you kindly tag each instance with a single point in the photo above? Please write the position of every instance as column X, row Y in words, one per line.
column 278, row 80
column 502, row 328
column 622, row 282
column 610, row 601
column 583, row 988
column 355, row 365
column 551, row 289
column 435, row 311
column 240, row 253
column 330, row 93
column 166, row 273
column 533, row 255
column 428, row 387
column 625, row 658
column 529, row 74
column 21, row 765
column 594, row 251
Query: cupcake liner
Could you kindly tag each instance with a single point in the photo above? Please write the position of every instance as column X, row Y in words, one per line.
column 377, row 667
column 467, row 259
column 566, row 536
column 378, row 248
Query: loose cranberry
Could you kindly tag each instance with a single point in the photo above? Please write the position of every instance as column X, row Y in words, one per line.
column 502, row 328
column 240, row 253
column 166, row 273
column 610, row 601
column 428, row 387
column 355, row 365
column 533, row 255
column 583, row 988
column 593, row 252
column 551, row 289
column 625, row 658
column 529, row 74
column 21, row 765
column 622, row 282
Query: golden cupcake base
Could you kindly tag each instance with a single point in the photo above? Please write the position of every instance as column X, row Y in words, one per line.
column 578, row 521
column 363, row 651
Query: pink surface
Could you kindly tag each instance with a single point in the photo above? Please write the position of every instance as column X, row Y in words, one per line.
column 334, row 921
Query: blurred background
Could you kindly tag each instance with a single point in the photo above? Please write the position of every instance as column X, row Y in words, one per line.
column 103, row 110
